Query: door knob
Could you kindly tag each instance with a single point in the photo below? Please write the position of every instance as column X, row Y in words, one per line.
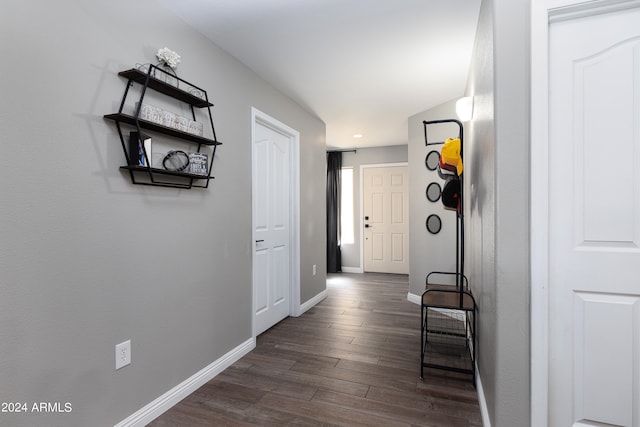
column 368, row 226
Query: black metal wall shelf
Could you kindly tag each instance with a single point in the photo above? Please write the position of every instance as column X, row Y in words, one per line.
column 448, row 337
column 168, row 84
column 159, row 171
column 140, row 77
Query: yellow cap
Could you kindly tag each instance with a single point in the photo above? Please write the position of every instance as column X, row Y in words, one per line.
column 451, row 154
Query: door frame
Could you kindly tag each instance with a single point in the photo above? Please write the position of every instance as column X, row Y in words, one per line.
column 260, row 118
column 362, row 167
column 543, row 14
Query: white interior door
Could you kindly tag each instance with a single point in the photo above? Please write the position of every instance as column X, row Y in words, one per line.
column 385, row 203
column 594, row 219
column 271, row 222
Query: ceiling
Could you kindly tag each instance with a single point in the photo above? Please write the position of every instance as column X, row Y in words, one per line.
column 361, row 66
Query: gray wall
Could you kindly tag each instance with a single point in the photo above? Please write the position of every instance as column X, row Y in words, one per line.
column 497, row 194
column 365, row 156
column 429, row 252
column 88, row 260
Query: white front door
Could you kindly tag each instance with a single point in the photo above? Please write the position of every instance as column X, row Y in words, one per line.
column 594, row 219
column 271, row 226
column 386, row 219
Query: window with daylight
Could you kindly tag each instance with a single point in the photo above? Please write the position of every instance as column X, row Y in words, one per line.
column 346, row 207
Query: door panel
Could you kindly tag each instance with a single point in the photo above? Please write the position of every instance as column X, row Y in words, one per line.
column 397, row 208
column 377, row 253
column 597, row 314
column 397, row 247
column 377, row 208
column 261, row 272
column 271, row 212
column 594, row 220
column 280, row 275
column 385, row 203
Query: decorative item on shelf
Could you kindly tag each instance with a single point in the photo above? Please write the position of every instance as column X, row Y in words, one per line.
column 151, row 113
column 145, row 68
column 195, row 92
column 168, row 57
column 168, row 61
column 136, row 151
column 161, row 72
column 166, row 74
column 182, row 123
column 168, row 119
column 176, row 161
column 198, row 163
column 196, row 128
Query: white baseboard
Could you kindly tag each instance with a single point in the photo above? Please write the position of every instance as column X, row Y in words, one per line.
column 153, row 410
column 355, row 270
column 312, row 302
column 482, row 401
column 416, row 299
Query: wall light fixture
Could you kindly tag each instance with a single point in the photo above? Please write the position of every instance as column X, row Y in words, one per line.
column 464, row 108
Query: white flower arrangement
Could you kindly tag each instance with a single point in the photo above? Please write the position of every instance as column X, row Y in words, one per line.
column 168, row 57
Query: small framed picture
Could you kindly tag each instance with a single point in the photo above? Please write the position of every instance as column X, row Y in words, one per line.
column 198, row 163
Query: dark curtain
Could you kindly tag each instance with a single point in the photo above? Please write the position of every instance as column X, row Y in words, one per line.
column 334, row 167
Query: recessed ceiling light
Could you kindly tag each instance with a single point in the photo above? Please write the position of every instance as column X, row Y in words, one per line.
column 358, row 135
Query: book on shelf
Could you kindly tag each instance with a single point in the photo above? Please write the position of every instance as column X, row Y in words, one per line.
column 137, row 155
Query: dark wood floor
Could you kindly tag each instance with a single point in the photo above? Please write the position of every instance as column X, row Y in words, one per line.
column 352, row 360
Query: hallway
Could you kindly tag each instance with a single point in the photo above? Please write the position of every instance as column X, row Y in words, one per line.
column 352, row 360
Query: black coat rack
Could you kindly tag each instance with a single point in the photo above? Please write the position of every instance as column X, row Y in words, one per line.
column 448, row 312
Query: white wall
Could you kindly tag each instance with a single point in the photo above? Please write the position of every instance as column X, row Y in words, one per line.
column 365, row 156
column 88, row 260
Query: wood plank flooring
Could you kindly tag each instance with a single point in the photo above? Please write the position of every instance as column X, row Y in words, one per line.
column 352, row 360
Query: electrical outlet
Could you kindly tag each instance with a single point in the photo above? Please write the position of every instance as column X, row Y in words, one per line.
column 123, row 354
column 314, row 269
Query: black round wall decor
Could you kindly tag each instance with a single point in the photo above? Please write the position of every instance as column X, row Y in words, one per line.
column 432, row 160
column 433, row 192
column 434, row 224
